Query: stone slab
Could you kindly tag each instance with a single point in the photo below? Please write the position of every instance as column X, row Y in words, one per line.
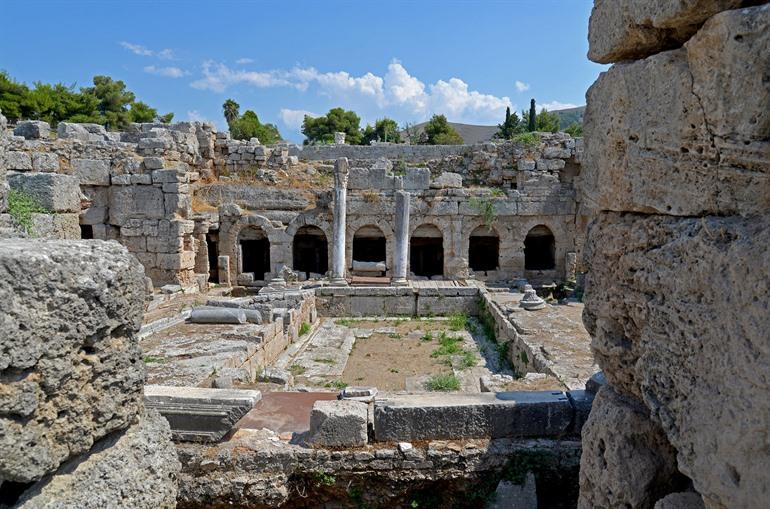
column 339, row 423
column 197, row 414
column 482, row 415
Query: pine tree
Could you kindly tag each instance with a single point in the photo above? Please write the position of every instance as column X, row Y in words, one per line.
column 532, row 116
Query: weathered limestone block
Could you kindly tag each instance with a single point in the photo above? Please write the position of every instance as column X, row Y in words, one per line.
column 19, row 161
column 684, row 500
column 338, row 423
column 81, row 132
column 677, row 309
column 143, row 202
column 55, row 226
column 137, row 468
column 92, row 172
column 447, row 180
column 43, row 161
column 633, row 29
column 32, row 129
column 650, row 145
column 54, row 192
column 626, row 460
column 71, row 366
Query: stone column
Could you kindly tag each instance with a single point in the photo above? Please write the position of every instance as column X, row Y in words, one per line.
column 401, row 251
column 340, row 212
column 223, row 270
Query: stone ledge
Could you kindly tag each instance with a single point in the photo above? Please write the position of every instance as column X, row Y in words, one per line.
column 486, row 415
column 197, row 414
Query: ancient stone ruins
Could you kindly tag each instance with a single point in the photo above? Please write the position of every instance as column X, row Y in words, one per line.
column 199, row 322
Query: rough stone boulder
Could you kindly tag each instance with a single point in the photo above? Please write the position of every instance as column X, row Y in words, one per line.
column 685, row 132
column 53, row 192
column 32, row 129
column 633, row 29
column 70, row 364
column 626, row 460
column 678, row 313
column 136, row 468
column 340, row 423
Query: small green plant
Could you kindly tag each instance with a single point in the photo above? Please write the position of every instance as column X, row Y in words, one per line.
column 458, row 322
column 21, row 206
column 467, row 360
column 448, row 345
column 324, row 360
column 394, row 335
column 523, row 357
column 393, row 370
column 336, row 384
column 527, row 139
column 427, row 337
column 485, row 207
column 443, row 383
column 151, row 359
column 304, row 328
column 324, row 479
column 347, row 322
column 502, row 352
column 297, row 370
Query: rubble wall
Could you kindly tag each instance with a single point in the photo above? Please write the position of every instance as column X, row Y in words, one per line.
column 676, row 170
column 72, row 375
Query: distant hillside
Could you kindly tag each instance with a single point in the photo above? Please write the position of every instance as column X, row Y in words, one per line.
column 570, row 115
column 475, row 133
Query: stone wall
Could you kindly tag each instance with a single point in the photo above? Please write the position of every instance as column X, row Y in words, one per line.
column 73, row 428
column 676, row 171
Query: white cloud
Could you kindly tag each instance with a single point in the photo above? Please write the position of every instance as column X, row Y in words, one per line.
column 195, row 116
column 555, row 105
column 521, row 86
column 138, row 49
column 396, row 90
column 244, row 61
column 294, row 118
column 168, row 72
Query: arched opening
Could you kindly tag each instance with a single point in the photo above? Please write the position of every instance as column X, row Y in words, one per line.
column 426, row 251
column 369, row 245
column 539, row 249
column 253, row 252
column 484, row 249
column 212, row 246
column 310, row 252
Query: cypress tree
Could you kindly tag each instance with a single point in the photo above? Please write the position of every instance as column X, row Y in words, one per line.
column 507, row 114
column 532, row 116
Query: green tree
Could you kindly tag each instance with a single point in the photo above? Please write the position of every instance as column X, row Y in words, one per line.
column 12, row 98
column 141, row 112
column 531, row 119
column 248, row 126
column 57, row 103
column 510, row 127
column 322, row 129
column 231, row 111
column 545, row 121
column 166, row 119
column 575, row 130
column 114, row 101
column 439, row 132
column 385, row 129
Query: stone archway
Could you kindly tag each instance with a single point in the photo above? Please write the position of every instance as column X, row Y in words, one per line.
column 253, row 252
column 540, row 249
column 426, row 251
column 310, row 251
column 484, row 249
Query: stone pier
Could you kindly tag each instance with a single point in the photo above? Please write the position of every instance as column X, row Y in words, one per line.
column 402, row 239
column 340, row 213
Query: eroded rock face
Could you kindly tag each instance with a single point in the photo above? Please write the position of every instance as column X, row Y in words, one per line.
column 136, row 469
column 631, row 460
column 685, row 132
column 678, row 312
column 70, row 364
column 632, row 29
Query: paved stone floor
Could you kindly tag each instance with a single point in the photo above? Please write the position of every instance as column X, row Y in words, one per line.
column 283, row 412
column 559, row 333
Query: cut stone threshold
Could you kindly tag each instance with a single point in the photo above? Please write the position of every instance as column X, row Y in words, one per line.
column 198, row 414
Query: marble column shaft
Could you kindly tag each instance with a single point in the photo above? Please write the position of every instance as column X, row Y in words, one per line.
column 402, row 238
column 340, row 212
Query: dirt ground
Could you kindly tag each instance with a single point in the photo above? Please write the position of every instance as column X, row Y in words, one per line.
column 386, row 360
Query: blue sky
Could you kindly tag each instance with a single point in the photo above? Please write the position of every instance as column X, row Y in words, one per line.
column 406, row 60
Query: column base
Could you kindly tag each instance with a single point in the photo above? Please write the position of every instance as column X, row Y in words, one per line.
column 399, row 281
column 338, row 281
